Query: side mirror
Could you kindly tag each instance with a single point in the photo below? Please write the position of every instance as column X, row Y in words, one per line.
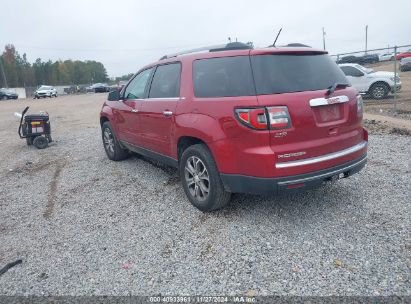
column 114, row 95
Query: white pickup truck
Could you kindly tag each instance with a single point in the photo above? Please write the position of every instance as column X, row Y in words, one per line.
column 376, row 84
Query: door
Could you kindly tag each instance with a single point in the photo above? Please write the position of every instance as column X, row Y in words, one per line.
column 158, row 110
column 357, row 78
column 127, row 113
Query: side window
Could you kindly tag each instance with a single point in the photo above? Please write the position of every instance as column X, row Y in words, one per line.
column 166, row 81
column 137, row 87
column 223, row 77
column 351, row 71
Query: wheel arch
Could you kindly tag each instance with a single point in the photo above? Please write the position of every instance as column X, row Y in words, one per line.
column 379, row 81
column 186, row 141
column 103, row 119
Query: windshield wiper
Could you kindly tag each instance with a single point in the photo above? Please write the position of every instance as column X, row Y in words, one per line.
column 336, row 85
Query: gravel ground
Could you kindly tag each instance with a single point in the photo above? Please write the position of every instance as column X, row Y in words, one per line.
column 84, row 225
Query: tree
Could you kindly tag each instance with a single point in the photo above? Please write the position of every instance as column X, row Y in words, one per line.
column 9, row 65
column 19, row 72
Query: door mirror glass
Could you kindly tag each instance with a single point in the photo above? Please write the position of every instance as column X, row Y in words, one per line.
column 114, row 95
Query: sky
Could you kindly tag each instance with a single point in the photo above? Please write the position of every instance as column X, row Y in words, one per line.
column 125, row 35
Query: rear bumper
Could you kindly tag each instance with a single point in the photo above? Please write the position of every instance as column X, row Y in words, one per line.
column 257, row 185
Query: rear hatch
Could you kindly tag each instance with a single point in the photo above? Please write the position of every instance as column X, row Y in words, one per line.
column 319, row 123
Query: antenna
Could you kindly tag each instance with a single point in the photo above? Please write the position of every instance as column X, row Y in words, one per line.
column 277, row 36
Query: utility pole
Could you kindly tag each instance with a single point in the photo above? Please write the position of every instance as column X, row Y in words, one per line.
column 366, row 38
column 395, row 79
column 4, row 74
column 324, row 38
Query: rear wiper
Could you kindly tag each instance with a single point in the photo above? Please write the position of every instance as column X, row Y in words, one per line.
column 336, row 85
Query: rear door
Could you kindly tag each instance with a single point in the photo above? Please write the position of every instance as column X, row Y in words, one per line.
column 320, row 124
column 158, row 110
column 127, row 113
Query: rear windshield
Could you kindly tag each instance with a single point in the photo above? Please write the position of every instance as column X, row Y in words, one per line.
column 276, row 74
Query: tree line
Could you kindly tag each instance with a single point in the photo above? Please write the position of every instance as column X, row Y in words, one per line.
column 16, row 71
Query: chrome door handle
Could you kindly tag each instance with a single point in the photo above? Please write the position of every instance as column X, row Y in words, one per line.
column 134, row 110
column 167, row 113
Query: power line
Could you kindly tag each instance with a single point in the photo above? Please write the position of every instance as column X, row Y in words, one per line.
column 112, row 50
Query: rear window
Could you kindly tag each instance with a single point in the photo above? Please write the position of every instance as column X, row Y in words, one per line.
column 223, row 77
column 276, row 74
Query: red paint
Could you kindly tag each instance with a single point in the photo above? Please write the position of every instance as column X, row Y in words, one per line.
column 237, row 148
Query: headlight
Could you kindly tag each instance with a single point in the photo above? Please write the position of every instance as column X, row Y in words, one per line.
column 395, row 79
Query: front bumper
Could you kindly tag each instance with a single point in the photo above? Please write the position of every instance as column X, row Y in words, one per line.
column 398, row 88
column 257, row 185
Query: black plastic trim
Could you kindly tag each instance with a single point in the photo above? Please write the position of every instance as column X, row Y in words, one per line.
column 151, row 154
column 259, row 185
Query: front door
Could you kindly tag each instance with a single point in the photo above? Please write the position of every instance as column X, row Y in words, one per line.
column 157, row 114
column 128, row 119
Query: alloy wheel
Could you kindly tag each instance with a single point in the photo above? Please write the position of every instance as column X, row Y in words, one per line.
column 108, row 140
column 197, row 178
column 379, row 92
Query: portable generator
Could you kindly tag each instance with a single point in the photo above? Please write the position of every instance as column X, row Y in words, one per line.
column 35, row 129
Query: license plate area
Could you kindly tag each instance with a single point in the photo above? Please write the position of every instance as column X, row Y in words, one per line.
column 329, row 113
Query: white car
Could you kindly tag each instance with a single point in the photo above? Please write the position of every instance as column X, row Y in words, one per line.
column 366, row 81
column 386, row 57
column 45, row 91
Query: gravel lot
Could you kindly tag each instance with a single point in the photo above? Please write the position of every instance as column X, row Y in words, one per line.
column 85, row 225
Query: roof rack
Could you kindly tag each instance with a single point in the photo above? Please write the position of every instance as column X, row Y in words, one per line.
column 297, row 45
column 215, row 48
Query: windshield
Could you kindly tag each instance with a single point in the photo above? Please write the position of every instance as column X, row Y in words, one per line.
column 295, row 73
column 44, row 88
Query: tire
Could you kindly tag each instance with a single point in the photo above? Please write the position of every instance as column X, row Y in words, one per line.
column 29, row 141
column 199, row 174
column 40, row 142
column 379, row 90
column 111, row 145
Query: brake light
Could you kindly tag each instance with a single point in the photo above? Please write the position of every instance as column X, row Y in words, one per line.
column 360, row 106
column 279, row 118
column 256, row 118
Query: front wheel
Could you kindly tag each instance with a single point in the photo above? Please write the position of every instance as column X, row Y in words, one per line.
column 379, row 90
column 111, row 145
column 201, row 179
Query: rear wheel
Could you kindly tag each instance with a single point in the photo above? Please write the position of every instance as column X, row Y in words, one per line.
column 40, row 142
column 379, row 90
column 201, row 179
column 112, row 147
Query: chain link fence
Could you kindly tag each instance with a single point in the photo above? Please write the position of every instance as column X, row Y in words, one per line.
column 395, row 59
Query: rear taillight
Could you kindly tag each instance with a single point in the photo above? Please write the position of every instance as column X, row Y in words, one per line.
column 279, row 118
column 360, row 106
column 256, row 118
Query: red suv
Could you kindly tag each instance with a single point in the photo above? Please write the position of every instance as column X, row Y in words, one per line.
column 236, row 119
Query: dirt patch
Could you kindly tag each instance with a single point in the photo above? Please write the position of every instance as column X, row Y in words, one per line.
column 400, row 131
column 52, row 191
